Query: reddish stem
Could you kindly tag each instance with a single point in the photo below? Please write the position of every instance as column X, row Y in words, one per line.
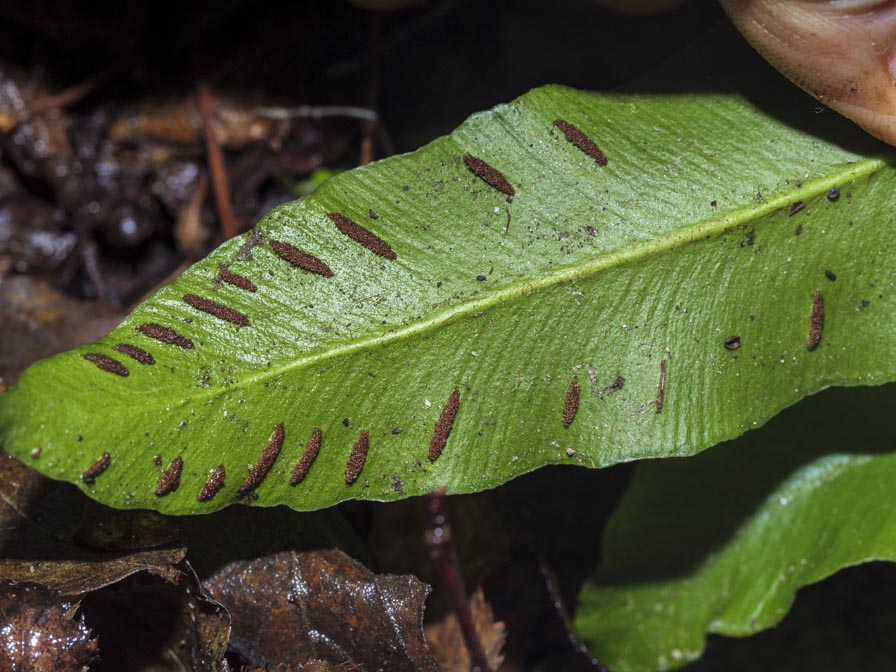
column 438, row 538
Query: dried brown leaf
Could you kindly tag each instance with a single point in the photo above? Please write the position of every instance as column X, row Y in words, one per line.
column 52, row 535
column 293, row 608
column 447, row 642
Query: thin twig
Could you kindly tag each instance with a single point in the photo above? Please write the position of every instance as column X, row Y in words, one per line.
column 315, row 112
column 72, row 94
column 216, row 166
column 551, row 585
column 438, row 538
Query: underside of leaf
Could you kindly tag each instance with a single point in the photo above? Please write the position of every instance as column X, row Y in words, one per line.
column 495, row 302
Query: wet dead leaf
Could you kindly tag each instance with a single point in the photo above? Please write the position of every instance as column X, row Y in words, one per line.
column 147, row 625
column 37, row 321
column 447, row 642
column 38, row 634
column 293, row 608
column 52, row 535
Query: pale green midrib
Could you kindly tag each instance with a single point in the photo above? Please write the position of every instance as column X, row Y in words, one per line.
column 666, row 242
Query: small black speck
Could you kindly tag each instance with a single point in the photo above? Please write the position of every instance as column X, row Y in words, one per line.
column 752, row 317
column 157, row 459
column 796, row 207
column 373, row 214
column 79, row 438
column 591, row 230
column 799, row 184
column 834, row 194
column 405, row 188
column 188, row 320
column 438, row 284
column 480, row 278
column 732, row 343
column 713, row 203
column 830, row 275
column 397, row 430
column 799, row 230
column 397, row 485
column 865, row 303
column 346, row 422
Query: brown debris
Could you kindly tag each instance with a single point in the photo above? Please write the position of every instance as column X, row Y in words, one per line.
column 816, row 321
column 166, row 335
column 796, row 207
column 218, row 310
column 213, row 485
column 357, row 232
column 661, row 388
column 581, row 140
column 265, row 461
column 299, row 259
column 571, row 404
column 132, row 351
column 492, row 177
column 232, row 278
column 444, row 425
column 304, row 465
column 170, row 479
column 617, row 385
column 732, row 343
column 90, row 473
column 357, row 458
column 106, row 363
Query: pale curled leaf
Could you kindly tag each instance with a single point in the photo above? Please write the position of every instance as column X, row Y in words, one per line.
column 712, row 219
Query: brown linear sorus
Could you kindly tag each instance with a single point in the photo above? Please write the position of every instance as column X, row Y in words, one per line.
column 220, row 311
column 90, row 473
column 491, row 176
column 358, row 233
column 232, row 278
column 213, row 485
column 166, row 335
column 816, row 321
column 265, row 461
column 444, row 425
column 308, row 455
column 577, row 137
column 135, row 353
column 357, row 458
column 106, row 363
column 170, row 479
column 571, row 404
column 300, row 259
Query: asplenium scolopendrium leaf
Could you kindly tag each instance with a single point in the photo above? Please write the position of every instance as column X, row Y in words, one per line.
column 494, row 302
column 721, row 543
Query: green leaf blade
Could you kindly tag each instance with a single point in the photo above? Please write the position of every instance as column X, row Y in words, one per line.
column 721, row 544
column 600, row 272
